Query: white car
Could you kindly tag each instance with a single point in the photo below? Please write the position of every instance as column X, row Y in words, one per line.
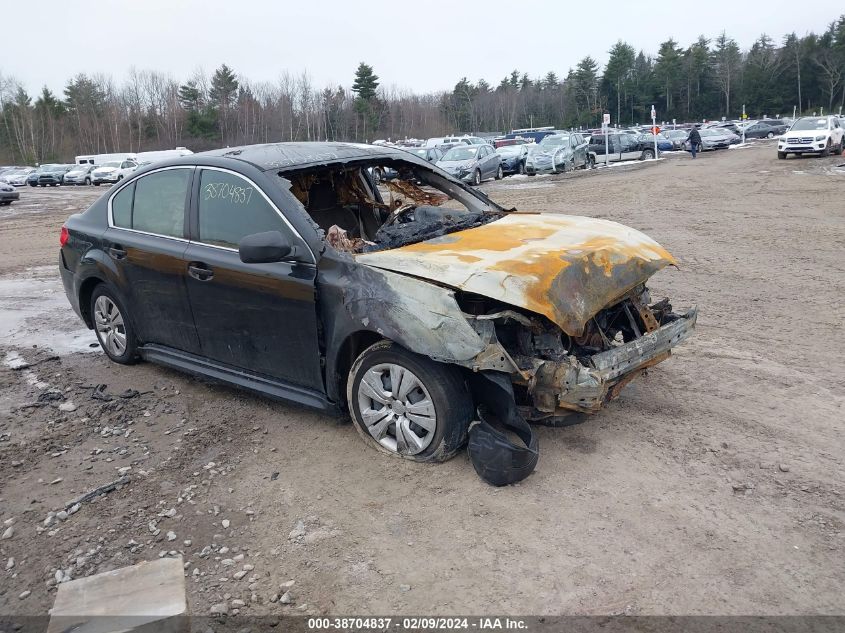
column 113, row 171
column 812, row 135
column 17, row 177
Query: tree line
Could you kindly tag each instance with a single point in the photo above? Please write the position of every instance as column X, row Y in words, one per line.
column 149, row 110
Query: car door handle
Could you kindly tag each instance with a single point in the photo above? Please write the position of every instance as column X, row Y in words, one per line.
column 200, row 271
column 116, row 251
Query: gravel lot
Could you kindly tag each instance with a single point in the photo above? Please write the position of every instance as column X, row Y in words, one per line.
column 712, row 486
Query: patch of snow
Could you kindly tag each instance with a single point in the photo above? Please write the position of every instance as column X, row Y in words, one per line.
column 34, row 311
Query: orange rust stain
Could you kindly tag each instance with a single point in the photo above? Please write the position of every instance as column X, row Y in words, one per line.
column 623, row 252
column 489, row 237
column 539, row 276
column 466, row 258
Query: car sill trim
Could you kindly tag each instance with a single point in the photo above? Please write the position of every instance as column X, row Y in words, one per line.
column 270, row 387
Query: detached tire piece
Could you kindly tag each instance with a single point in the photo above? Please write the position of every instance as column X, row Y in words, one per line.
column 498, row 459
column 112, row 326
column 408, row 405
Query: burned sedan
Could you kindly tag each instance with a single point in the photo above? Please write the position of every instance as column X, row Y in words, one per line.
column 425, row 310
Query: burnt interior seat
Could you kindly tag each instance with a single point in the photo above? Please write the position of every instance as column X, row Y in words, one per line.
column 327, row 211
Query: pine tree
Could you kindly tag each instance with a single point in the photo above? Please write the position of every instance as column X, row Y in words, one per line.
column 366, row 82
column 224, row 87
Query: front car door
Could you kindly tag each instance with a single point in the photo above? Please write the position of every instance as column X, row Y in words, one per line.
column 579, row 148
column 257, row 317
column 146, row 242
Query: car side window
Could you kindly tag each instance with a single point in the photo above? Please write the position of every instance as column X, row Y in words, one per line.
column 121, row 207
column 230, row 208
column 159, row 205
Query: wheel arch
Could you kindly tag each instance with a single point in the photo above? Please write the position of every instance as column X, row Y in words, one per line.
column 86, row 290
column 347, row 352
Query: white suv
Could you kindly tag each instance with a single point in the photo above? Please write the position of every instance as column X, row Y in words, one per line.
column 812, row 135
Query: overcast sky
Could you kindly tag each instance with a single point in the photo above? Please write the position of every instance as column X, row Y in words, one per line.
column 424, row 46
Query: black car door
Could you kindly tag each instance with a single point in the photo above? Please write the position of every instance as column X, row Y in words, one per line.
column 257, row 317
column 146, row 241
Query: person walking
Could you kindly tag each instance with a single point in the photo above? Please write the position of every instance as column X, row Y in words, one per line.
column 694, row 139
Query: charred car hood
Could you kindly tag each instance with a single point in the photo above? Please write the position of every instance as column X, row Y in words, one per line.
column 566, row 268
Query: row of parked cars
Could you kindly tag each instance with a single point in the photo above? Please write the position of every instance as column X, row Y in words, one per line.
column 53, row 175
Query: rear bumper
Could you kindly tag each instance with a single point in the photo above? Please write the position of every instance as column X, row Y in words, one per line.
column 8, row 196
column 571, row 386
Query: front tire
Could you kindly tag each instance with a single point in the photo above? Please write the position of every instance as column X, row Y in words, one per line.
column 88, row 182
column 781, row 155
column 521, row 168
column 826, row 151
column 112, row 326
column 476, row 177
column 407, row 405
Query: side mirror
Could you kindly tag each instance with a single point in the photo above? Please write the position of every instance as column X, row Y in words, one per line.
column 264, row 248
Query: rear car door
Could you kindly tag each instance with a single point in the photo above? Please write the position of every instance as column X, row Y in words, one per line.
column 630, row 147
column 256, row 317
column 146, row 242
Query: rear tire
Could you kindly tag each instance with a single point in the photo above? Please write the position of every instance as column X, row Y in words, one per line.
column 647, row 154
column 499, row 173
column 438, row 391
column 112, row 325
column 770, row 135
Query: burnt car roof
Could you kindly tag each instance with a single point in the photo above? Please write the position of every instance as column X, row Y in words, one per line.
column 289, row 156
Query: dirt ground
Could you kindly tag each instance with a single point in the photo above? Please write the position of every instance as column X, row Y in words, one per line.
column 714, row 485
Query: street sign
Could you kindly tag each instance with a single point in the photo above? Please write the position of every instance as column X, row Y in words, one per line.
column 653, row 113
column 655, row 129
column 606, row 119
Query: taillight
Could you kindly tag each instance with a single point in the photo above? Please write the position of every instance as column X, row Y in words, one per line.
column 64, row 236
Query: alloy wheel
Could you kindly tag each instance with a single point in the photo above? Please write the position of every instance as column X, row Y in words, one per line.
column 111, row 329
column 397, row 409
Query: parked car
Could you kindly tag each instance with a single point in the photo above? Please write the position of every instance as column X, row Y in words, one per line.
column 415, row 338
column 676, row 137
column 48, row 175
column 8, row 194
column 712, row 139
column 112, row 171
column 431, row 154
column 557, row 153
column 663, row 143
column 17, row 177
column 813, row 135
column 439, row 141
column 79, row 175
column 621, row 146
column 725, row 125
column 763, row 129
column 780, row 125
column 513, row 158
column 472, row 163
